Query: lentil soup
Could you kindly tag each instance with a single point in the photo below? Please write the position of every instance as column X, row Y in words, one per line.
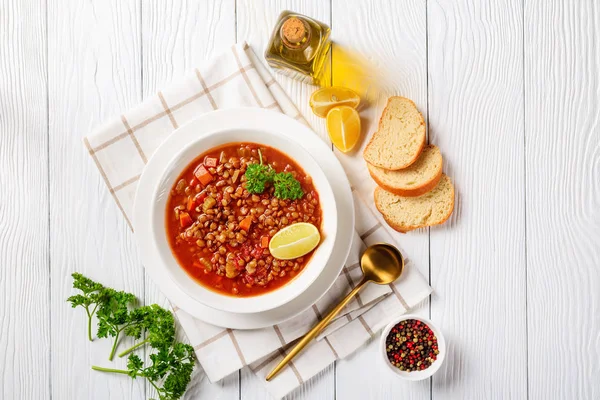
column 219, row 232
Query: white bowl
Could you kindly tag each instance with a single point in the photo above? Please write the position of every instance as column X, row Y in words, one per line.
column 414, row 375
column 279, row 296
column 256, row 119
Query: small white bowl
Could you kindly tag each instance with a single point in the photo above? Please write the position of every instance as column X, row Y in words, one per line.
column 273, row 139
column 414, row 375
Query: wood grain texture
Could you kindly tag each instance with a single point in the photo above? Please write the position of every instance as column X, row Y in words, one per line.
column 512, row 93
column 255, row 21
column 478, row 258
column 24, row 277
column 562, row 132
column 380, row 51
column 177, row 36
column 93, row 73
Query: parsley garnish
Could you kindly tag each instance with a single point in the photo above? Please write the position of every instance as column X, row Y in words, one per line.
column 287, row 187
column 259, row 175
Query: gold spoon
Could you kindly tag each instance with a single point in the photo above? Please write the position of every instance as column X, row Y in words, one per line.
column 381, row 264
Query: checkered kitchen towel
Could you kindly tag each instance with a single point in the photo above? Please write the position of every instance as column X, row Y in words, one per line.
column 236, row 78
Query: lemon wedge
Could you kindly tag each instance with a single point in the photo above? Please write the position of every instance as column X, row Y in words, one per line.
column 294, row 241
column 343, row 126
column 325, row 99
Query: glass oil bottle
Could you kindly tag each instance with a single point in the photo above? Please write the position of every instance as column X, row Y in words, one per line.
column 298, row 47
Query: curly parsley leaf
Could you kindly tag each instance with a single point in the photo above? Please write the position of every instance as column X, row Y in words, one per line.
column 173, row 366
column 258, row 175
column 93, row 295
column 114, row 316
column 287, row 187
column 158, row 323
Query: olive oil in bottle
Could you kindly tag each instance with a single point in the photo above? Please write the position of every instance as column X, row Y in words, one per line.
column 298, row 47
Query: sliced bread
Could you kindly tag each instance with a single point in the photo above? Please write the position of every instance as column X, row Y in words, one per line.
column 400, row 136
column 407, row 213
column 415, row 180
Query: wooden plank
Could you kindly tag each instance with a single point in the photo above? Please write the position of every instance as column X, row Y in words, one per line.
column 255, row 20
column 94, row 74
column 177, row 36
column 562, row 94
column 478, row 272
column 24, row 277
column 379, row 51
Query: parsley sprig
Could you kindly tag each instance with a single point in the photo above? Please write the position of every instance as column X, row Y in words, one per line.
column 172, row 363
column 259, row 175
column 287, row 187
column 93, row 295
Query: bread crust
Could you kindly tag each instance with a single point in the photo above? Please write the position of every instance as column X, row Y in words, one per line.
column 417, row 153
column 404, row 229
column 415, row 192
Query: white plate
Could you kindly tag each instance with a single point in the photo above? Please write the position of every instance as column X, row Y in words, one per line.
column 157, row 204
column 245, row 119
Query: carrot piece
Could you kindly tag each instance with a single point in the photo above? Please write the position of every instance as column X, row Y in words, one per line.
column 191, row 204
column 203, row 175
column 210, row 162
column 184, row 219
column 246, row 222
column 264, row 242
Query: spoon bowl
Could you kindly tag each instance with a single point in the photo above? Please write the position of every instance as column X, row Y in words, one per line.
column 382, row 263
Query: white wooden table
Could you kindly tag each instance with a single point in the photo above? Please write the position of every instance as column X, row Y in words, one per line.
column 511, row 93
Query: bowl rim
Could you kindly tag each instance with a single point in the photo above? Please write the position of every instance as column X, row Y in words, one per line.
column 414, row 375
column 289, row 290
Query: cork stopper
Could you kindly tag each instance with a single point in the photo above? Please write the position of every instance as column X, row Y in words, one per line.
column 293, row 30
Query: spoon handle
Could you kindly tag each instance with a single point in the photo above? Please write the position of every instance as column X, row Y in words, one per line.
column 310, row 335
